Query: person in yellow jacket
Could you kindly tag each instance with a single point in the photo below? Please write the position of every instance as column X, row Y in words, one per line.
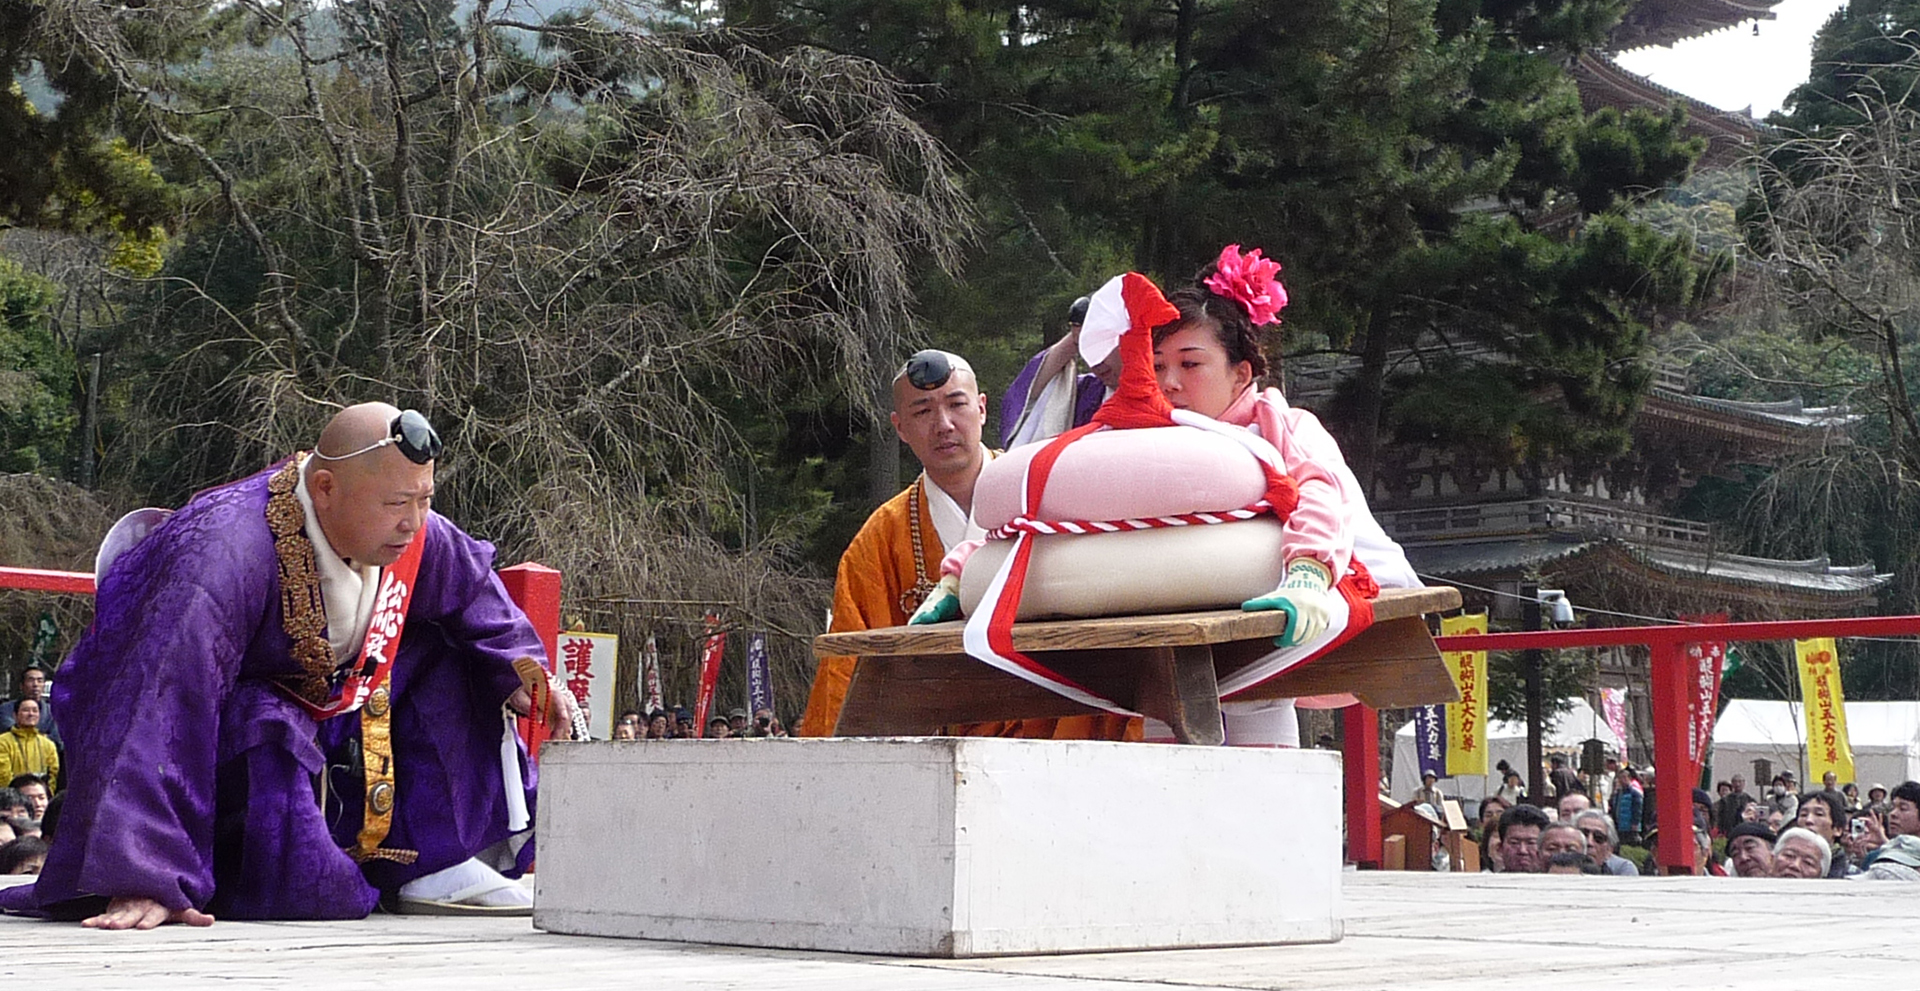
column 24, row 749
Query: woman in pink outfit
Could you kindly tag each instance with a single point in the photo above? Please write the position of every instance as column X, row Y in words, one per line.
column 1209, row 362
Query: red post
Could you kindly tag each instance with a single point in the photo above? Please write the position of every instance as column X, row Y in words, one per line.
column 1674, row 771
column 535, row 588
column 1360, row 726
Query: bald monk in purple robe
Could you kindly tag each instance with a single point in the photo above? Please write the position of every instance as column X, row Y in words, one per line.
column 201, row 784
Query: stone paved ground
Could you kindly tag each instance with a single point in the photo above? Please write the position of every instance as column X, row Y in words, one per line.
column 1404, row 931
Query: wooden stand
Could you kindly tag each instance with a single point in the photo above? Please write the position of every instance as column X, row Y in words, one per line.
column 913, row 680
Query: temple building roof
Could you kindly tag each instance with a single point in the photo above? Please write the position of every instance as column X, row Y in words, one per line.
column 1661, row 579
column 1603, row 83
column 1786, row 424
column 1660, row 23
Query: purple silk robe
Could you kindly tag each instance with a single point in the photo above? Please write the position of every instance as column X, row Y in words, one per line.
column 1088, row 393
column 193, row 780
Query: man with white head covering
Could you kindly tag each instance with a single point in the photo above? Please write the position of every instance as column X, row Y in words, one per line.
column 894, row 561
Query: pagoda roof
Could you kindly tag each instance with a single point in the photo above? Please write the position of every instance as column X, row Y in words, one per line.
column 1604, row 83
column 1660, row 23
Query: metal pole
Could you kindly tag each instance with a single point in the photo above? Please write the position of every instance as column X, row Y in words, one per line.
column 1536, row 700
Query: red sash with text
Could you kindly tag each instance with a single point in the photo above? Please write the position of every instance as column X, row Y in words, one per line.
column 370, row 671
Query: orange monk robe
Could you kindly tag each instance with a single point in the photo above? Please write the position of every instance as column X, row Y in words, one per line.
column 875, row 571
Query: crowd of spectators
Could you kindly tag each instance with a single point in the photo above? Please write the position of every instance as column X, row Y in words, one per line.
column 676, row 723
column 1828, row 832
column 30, row 766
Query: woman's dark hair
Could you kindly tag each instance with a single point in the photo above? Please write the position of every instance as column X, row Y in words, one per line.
column 1199, row 304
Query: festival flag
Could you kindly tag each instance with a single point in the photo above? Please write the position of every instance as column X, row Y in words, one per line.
column 1825, row 706
column 1705, row 663
column 1613, row 703
column 650, row 678
column 1467, row 718
column 716, row 650
column 1430, row 740
column 759, row 674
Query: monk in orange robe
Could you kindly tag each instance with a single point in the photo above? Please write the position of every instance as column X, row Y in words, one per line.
column 894, row 561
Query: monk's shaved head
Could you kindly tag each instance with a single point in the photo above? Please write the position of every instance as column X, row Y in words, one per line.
column 356, row 427
column 369, row 503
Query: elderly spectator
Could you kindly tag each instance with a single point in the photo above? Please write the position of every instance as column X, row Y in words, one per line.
column 1830, row 781
column 1571, row 804
column 718, row 728
column 765, row 723
column 737, row 723
column 33, row 788
column 1801, row 853
column 1520, row 831
column 23, row 856
column 1560, row 838
column 1603, row 843
column 1750, row 850
column 1824, row 813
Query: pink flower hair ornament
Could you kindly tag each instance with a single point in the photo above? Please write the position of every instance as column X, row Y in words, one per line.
column 1250, row 280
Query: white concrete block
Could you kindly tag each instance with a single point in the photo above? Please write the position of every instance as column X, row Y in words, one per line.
column 940, row 847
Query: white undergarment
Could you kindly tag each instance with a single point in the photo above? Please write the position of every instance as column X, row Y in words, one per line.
column 347, row 591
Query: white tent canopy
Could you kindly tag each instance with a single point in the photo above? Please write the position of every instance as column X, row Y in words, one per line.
column 1505, row 741
column 1885, row 738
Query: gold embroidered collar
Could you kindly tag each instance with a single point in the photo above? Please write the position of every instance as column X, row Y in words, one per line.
column 303, row 612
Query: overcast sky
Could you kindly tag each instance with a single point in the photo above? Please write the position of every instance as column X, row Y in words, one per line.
column 1735, row 69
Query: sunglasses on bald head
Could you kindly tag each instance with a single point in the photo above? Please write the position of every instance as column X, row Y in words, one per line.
column 410, row 432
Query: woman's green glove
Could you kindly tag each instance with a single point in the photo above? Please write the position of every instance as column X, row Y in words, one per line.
column 1303, row 596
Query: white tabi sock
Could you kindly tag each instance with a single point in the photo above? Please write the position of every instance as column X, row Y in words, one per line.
column 469, row 882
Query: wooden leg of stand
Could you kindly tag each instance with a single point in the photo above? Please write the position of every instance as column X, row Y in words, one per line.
column 1177, row 686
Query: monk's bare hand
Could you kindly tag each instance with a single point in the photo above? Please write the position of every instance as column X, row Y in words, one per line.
column 144, row 913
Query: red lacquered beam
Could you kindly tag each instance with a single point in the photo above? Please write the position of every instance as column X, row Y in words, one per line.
column 38, row 580
column 1618, row 636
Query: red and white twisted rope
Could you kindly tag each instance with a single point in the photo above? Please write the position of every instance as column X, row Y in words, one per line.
column 1021, row 524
